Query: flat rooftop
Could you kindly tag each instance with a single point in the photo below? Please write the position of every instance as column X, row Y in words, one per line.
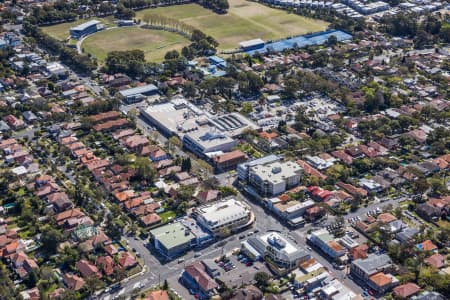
column 179, row 116
column 208, row 137
column 222, row 212
column 172, row 235
column 285, row 245
column 276, row 172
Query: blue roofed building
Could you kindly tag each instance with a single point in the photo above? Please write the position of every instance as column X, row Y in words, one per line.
column 86, row 28
column 3, row 44
column 217, row 61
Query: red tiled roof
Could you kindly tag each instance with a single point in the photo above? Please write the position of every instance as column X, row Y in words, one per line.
column 310, row 170
column 197, row 271
column 406, row 290
column 427, row 246
column 73, row 282
column 229, row 156
column 435, row 260
column 87, row 269
column 150, row 219
column 106, row 264
column 157, row 295
column 380, row 279
column 386, row 218
column 126, row 260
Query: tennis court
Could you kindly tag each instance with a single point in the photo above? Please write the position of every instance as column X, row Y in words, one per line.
column 317, row 38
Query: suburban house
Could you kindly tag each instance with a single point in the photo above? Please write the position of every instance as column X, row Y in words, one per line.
column 196, row 278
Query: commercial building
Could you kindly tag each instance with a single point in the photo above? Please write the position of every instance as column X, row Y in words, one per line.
column 275, row 246
column 224, row 216
column 172, row 240
column 84, row 29
column 229, row 160
column 243, row 170
column 251, row 44
column 364, row 268
column 274, row 178
column 206, row 140
column 137, row 94
column 290, row 211
column 201, row 133
column 323, row 240
column 335, row 290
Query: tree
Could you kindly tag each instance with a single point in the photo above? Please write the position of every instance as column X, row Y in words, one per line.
column 444, row 33
column 247, row 108
column 114, row 227
column 93, row 283
column 173, row 142
column 50, row 238
column 186, row 164
column 420, row 186
column 172, row 55
column 262, row 279
column 189, row 89
column 165, row 285
column 185, row 192
column 332, row 40
column 226, row 191
column 144, row 169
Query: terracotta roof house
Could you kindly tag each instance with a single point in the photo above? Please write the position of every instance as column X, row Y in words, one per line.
column 195, row 276
column 343, row 156
column 406, row 290
column 56, row 294
column 157, row 295
column 382, row 283
column 150, row 219
column 427, row 246
column 359, row 252
column 106, row 264
column 436, row 260
column 386, row 218
column 106, row 116
column 74, row 212
column 207, row 196
column 73, row 282
column 126, row 260
column 418, row 135
column 31, row 294
column 310, row 170
column 111, row 249
column 87, row 269
column 352, row 190
column 157, row 155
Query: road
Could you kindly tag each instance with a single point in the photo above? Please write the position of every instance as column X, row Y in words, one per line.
column 156, row 272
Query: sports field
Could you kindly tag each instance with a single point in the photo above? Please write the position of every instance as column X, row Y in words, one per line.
column 61, row 31
column 245, row 20
column 154, row 43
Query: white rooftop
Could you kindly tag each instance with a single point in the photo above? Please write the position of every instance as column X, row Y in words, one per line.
column 222, row 212
column 276, row 172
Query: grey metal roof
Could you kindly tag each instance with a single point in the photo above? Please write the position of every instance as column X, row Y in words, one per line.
column 373, row 263
column 83, row 26
column 139, row 90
